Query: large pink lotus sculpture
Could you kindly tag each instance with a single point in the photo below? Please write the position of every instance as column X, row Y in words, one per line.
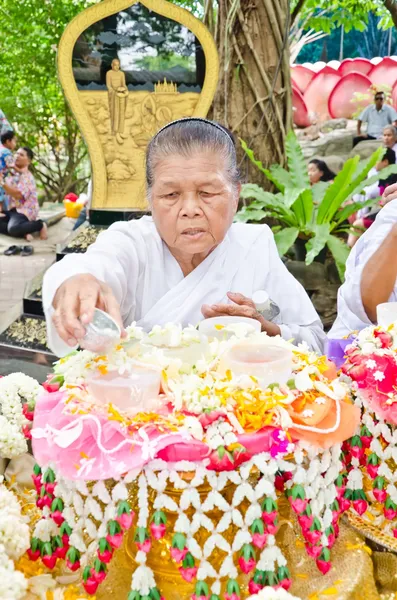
column 324, row 92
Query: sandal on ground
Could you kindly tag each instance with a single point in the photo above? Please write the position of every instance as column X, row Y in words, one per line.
column 12, row 250
column 27, row 251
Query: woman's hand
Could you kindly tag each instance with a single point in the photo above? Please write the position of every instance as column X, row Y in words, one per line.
column 74, row 303
column 242, row 307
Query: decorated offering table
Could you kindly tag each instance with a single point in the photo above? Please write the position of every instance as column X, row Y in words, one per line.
column 188, row 466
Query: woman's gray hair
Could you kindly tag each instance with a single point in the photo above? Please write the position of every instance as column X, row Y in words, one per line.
column 392, row 129
column 187, row 136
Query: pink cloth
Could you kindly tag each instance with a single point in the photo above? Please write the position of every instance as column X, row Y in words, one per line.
column 82, row 446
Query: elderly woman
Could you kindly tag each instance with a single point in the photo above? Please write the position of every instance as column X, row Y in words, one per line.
column 390, row 137
column 185, row 262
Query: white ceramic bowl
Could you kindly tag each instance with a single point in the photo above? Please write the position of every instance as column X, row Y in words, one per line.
column 267, row 362
column 132, row 392
column 215, row 327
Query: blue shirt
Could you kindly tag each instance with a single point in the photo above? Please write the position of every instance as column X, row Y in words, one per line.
column 378, row 119
column 5, row 159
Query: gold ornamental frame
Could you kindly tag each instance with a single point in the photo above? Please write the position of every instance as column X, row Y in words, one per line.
column 66, row 77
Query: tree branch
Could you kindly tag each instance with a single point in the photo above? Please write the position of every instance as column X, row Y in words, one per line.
column 299, row 5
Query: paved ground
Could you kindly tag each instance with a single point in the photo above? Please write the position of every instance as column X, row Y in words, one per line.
column 17, row 271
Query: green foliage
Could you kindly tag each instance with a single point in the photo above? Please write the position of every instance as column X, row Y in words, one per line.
column 326, row 15
column 30, row 94
column 315, row 213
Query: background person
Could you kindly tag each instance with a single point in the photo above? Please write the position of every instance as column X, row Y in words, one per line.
column 319, row 171
column 390, row 137
column 377, row 116
column 185, row 262
column 21, row 218
column 8, row 145
column 366, row 216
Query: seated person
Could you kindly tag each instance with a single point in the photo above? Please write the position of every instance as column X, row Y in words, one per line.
column 366, row 216
column 371, row 272
column 86, row 199
column 186, row 261
column 21, row 194
column 377, row 116
column 319, row 171
column 8, row 144
column 390, row 138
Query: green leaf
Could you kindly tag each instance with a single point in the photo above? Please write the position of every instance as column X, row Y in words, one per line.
column 285, row 239
column 251, row 156
column 364, row 166
column 340, row 252
column 303, row 208
column 274, row 203
column 317, row 242
column 248, row 215
column 383, row 174
column 296, row 162
column 291, row 196
column 350, row 209
column 280, row 177
column 319, row 189
column 337, row 193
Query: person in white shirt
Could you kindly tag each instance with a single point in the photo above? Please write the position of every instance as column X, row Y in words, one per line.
column 377, row 116
column 371, row 272
column 187, row 261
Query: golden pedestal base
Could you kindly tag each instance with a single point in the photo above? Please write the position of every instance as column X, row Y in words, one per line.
column 350, row 578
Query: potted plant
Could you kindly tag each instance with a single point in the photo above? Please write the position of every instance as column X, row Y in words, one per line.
column 315, row 215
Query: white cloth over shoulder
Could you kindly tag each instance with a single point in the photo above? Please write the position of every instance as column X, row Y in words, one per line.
column 351, row 313
column 150, row 287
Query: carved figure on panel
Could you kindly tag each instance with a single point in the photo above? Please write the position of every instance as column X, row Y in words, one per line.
column 118, row 93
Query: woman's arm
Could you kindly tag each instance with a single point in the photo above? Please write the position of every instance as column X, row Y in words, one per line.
column 104, row 277
column 10, row 190
column 379, row 275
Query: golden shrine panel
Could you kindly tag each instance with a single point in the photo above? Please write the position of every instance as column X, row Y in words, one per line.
column 128, row 69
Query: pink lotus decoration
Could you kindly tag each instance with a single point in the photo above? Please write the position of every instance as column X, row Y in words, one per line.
column 328, row 92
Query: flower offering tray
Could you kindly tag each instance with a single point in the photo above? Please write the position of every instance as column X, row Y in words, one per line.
column 188, row 476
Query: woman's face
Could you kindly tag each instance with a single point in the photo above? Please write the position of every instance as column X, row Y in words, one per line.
column 389, row 138
column 314, row 173
column 21, row 158
column 193, row 203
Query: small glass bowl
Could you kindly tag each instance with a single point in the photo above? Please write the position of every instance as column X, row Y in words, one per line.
column 268, row 363
column 132, row 392
column 101, row 334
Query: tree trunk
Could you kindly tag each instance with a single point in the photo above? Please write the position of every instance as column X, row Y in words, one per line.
column 254, row 97
column 391, row 6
